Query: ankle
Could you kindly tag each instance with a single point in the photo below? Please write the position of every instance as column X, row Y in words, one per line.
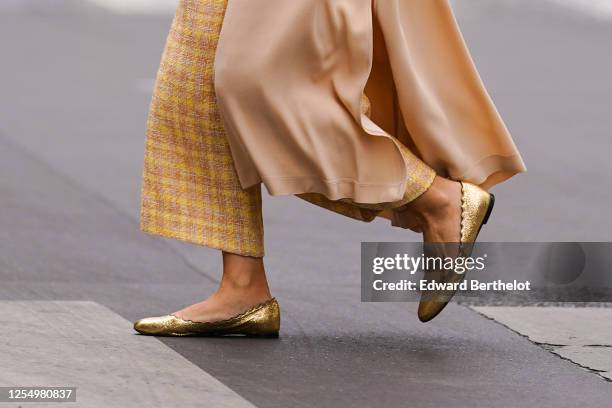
column 437, row 202
column 243, row 276
column 243, row 282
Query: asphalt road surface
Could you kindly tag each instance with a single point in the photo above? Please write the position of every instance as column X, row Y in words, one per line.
column 75, row 83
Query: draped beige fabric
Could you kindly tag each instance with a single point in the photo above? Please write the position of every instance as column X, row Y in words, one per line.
column 289, row 78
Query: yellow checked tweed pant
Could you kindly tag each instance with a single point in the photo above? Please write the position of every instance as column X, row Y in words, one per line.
column 190, row 188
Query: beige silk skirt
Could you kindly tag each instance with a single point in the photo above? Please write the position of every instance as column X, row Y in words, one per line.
column 271, row 91
column 289, row 79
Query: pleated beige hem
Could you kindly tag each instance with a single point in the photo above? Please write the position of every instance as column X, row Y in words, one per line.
column 289, row 79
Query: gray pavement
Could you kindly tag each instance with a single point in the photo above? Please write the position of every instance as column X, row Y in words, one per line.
column 581, row 335
column 73, row 102
column 85, row 342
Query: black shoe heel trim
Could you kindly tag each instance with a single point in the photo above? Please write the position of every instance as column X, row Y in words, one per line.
column 490, row 209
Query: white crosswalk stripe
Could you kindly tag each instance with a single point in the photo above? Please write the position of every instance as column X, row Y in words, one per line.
column 601, row 9
column 582, row 335
column 87, row 346
column 138, row 6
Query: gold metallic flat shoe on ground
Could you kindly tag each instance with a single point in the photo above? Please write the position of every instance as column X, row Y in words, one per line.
column 476, row 207
column 262, row 320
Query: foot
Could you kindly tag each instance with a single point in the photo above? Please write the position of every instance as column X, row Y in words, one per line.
column 243, row 286
column 437, row 212
column 438, row 215
column 260, row 321
column 441, row 214
column 221, row 306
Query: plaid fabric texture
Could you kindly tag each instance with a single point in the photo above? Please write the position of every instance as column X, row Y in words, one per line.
column 190, row 188
column 421, row 178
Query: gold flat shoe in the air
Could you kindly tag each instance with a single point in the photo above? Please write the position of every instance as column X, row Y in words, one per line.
column 262, row 320
column 476, row 207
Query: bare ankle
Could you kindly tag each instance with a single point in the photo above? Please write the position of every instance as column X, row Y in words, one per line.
column 437, row 201
column 243, row 274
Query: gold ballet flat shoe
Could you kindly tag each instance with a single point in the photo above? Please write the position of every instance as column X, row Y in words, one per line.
column 262, row 320
column 476, row 208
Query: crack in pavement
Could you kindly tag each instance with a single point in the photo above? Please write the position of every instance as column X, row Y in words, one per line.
column 554, row 348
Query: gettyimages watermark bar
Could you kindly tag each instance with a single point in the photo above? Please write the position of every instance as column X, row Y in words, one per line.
column 494, row 272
